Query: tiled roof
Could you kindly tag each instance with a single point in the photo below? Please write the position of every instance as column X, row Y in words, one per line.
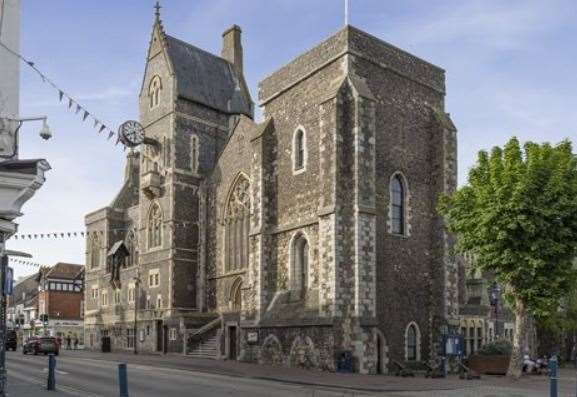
column 66, row 271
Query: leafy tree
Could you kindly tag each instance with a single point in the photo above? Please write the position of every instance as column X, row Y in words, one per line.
column 518, row 216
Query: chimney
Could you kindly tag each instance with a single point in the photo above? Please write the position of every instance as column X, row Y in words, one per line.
column 232, row 47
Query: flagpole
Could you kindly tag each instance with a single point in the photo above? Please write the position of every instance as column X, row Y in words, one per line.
column 346, row 12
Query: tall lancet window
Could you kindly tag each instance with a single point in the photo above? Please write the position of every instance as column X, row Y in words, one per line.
column 299, row 150
column 398, row 198
column 154, row 91
column 237, row 224
column 94, row 250
column 299, row 263
column 154, row 226
column 194, row 152
column 132, row 247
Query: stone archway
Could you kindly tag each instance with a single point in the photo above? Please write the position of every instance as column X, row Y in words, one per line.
column 271, row 351
column 382, row 353
column 303, row 353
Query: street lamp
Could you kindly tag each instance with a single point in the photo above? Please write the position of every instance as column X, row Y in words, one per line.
column 495, row 298
column 136, row 297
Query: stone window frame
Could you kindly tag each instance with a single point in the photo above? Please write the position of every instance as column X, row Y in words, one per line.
column 235, row 295
column 154, row 89
column 117, row 297
column 417, row 342
column 154, row 278
column 194, row 152
column 406, row 205
column 94, row 294
column 94, row 254
column 173, row 334
column 131, row 293
column 151, row 238
column 298, row 168
column 299, row 285
column 104, row 298
column 232, row 239
column 131, row 242
column 159, row 301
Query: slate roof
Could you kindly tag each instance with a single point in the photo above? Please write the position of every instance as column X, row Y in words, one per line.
column 207, row 79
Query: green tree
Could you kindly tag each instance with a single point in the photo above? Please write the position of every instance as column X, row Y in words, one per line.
column 518, row 216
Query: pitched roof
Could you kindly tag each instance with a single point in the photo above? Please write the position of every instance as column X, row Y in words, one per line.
column 66, row 271
column 207, row 79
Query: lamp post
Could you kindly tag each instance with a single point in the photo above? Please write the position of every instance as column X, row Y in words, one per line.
column 11, row 138
column 495, row 299
column 136, row 297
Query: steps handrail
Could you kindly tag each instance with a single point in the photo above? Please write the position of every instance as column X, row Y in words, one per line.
column 207, row 327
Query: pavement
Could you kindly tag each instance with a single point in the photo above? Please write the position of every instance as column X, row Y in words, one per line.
column 83, row 373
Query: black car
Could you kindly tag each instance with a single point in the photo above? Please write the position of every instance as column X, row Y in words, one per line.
column 11, row 340
column 43, row 345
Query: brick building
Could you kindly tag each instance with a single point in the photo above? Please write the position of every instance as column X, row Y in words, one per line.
column 22, row 307
column 61, row 297
column 287, row 241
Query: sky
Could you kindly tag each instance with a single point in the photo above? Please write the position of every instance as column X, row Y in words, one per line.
column 510, row 68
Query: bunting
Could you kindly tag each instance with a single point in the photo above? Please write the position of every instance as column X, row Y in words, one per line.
column 78, row 109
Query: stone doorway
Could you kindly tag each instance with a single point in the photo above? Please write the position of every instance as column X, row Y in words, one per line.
column 232, row 342
column 382, row 354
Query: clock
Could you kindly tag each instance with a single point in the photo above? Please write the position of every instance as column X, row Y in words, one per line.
column 131, row 133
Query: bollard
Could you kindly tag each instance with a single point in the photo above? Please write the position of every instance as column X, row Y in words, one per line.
column 553, row 376
column 123, row 380
column 51, row 373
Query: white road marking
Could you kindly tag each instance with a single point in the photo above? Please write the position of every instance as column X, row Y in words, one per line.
column 57, row 371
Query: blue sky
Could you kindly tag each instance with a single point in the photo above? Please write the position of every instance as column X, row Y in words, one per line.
column 511, row 70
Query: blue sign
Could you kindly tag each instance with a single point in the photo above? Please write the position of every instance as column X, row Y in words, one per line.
column 453, row 345
column 9, row 281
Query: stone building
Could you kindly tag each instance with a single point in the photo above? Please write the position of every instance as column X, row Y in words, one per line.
column 291, row 240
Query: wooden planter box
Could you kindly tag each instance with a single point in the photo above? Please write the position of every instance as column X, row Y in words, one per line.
column 490, row 365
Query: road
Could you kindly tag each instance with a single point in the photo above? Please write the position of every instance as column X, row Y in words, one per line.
column 91, row 378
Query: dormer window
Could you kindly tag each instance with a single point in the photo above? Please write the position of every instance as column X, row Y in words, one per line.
column 154, row 91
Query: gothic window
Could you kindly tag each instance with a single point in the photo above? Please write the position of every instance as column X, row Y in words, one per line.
column 398, row 203
column 132, row 247
column 94, row 251
column 154, row 91
column 299, row 263
column 299, row 150
column 155, row 226
column 236, row 295
column 194, row 152
column 412, row 343
column 236, row 225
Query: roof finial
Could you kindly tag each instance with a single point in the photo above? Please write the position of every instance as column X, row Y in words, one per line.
column 157, row 8
column 347, row 12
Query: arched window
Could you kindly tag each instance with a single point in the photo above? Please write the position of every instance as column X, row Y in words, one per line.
column 300, row 263
column 94, row 251
column 398, row 194
column 194, row 152
column 236, row 295
column 237, row 224
column 154, row 91
column 155, row 226
column 412, row 343
column 132, row 246
column 299, row 150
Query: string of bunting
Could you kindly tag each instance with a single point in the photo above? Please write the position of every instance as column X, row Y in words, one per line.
column 72, row 104
column 18, row 261
column 87, row 233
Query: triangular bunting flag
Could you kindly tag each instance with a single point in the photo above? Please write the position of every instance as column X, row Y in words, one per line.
column 78, row 108
column 60, row 95
column 110, row 134
column 102, row 128
column 70, row 103
column 96, row 122
column 85, row 116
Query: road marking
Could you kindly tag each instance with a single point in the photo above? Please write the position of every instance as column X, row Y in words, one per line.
column 57, row 371
column 42, row 382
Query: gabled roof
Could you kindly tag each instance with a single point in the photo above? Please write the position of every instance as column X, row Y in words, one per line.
column 66, row 271
column 207, row 79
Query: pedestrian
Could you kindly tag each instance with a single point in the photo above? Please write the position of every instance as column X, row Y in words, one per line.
column 75, row 342
column 68, row 342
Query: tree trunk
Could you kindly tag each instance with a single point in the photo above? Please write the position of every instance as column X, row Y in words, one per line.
column 516, row 364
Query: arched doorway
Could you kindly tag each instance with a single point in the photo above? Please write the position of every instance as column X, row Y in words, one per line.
column 382, row 354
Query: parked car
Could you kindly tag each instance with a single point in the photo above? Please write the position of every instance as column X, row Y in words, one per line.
column 11, row 340
column 43, row 345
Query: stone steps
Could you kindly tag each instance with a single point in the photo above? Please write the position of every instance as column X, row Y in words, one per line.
column 205, row 349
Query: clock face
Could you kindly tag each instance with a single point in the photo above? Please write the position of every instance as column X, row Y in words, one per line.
column 131, row 133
